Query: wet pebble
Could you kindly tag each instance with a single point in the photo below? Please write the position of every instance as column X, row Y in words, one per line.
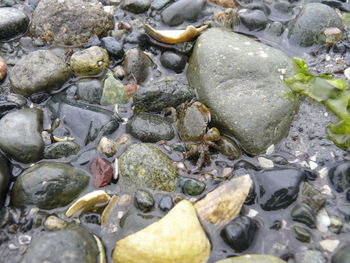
column 192, row 186
column 107, row 146
column 239, row 233
column 12, row 22
column 229, row 148
column 136, row 6
column 173, row 61
column 311, row 256
column 254, row 19
column 338, row 176
column 102, row 171
column 302, row 234
column 137, row 65
column 54, row 223
column 303, row 214
column 144, row 200
column 342, row 255
column 166, row 203
column 182, row 10
column 150, row 127
column 114, row 47
column 61, row 149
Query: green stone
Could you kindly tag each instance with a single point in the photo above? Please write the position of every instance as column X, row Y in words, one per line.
column 113, row 92
column 61, row 149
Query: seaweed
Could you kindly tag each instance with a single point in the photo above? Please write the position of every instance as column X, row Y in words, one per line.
column 333, row 93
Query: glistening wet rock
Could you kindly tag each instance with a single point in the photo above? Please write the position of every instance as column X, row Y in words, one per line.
column 342, row 255
column 61, row 149
column 253, row 19
column 144, row 166
column 40, row 70
column 240, row 81
column 339, row 176
column 48, row 185
column 90, row 90
column 71, row 244
column 173, row 61
column 20, row 135
column 12, row 22
column 239, row 233
column 278, row 188
column 308, row 27
column 160, row 95
column 150, row 127
column 94, row 122
column 137, row 65
column 182, row 10
column 68, row 23
column 136, row 6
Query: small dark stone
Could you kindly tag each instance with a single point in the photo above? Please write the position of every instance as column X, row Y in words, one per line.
column 61, row 149
column 91, row 219
column 339, row 176
column 254, row 20
column 166, row 203
column 144, row 200
column 229, row 147
column 192, row 187
column 276, row 225
column 302, row 234
column 136, row 6
column 303, row 214
column 114, row 47
column 348, row 195
column 239, row 233
column 277, row 159
column 173, row 61
column 150, row 128
column 39, row 97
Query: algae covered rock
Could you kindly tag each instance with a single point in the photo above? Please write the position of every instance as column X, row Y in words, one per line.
column 176, row 238
column 48, row 185
column 89, row 62
column 252, row 259
column 143, row 165
column 66, row 22
column 72, row 244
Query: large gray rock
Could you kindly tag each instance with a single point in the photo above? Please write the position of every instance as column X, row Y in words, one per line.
column 66, row 22
column 240, row 80
column 20, row 135
column 73, row 244
column 307, row 28
column 12, row 22
column 48, row 185
column 40, row 70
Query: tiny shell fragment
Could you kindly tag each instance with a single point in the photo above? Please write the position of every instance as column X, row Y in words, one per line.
column 174, row 36
column 88, row 202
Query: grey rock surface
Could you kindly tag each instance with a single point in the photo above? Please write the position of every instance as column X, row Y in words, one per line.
column 240, row 80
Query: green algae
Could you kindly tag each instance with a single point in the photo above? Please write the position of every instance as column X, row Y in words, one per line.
column 333, row 93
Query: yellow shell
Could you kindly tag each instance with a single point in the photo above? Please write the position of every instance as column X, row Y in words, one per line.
column 174, row 36
column 252, row 259
column 88, row 202
column 176, row 238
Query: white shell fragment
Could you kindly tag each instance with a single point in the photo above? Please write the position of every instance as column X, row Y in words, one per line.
column 101, row 249
column 174, row 36
column 270, row 150
column 88, row 202
column 347, row 73
column 323, row 221
column 329, row 244
column 265, row 163
column 116, row 169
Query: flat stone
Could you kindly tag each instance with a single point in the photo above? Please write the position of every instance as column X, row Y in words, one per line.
column 239, row 80
column 20, row 135
column 40, row 70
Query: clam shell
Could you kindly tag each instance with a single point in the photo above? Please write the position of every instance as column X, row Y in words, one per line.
column 88, row 202
column 174, row 36
column 101, row 249
column 252, row 259
column 176, row 238
column 225, row 202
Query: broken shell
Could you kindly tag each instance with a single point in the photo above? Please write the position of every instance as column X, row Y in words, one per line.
column 225, row 202
column 174, row 36
column 116, row 169
column 64, row 139
column 252, row 259
column 106, row 212
column 101, row 249
column 164, row 241
column 88, row 202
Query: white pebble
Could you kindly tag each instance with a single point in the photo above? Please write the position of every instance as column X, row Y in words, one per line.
column 252, row 213
column 323, row 172
column 116, row 169
column 265, row 163
column 329, row 244
column 312, row 165
column 323, row 221
column 347, row 73
column 270, row 150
